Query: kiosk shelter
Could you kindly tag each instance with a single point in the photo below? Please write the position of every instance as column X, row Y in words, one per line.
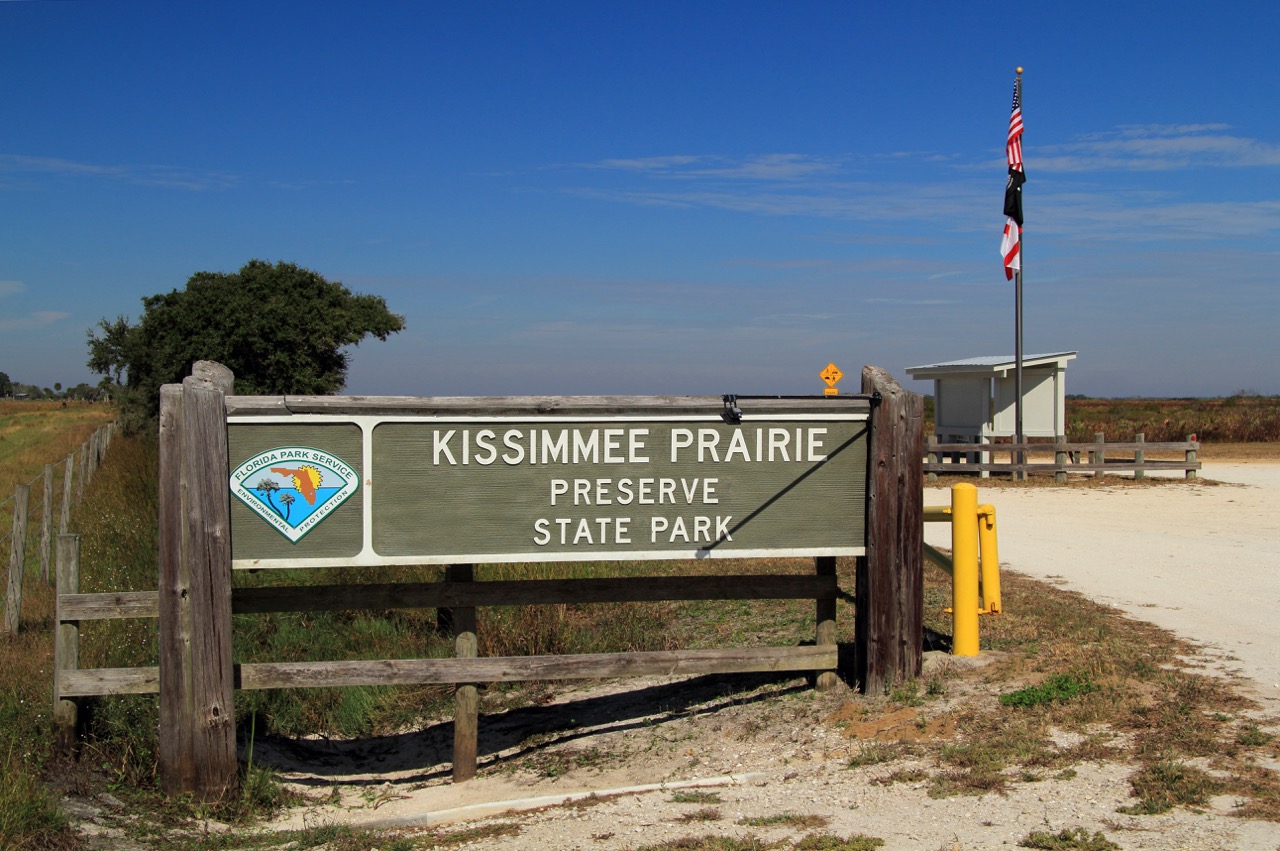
column 974, row 399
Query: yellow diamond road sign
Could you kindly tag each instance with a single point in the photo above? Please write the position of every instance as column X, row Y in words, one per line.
column 831, row 374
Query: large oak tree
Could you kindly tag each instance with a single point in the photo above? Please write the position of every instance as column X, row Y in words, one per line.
column 280, row 328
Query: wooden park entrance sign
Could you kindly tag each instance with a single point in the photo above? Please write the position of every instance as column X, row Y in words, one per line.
column 250, row 482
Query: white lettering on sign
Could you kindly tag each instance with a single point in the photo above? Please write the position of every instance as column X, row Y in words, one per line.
column 773, row 444
column 622, row 447
column 697, row 529
column 617, row 446
column 642, row 491
column 457, row 447
column 589, row 531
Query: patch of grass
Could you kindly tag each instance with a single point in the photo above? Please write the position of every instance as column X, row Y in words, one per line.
column 785, row 820
column 472, row 834
column 906, row 693
column 831, row 842
column 902, row 775
column 980, row 780
column 1259, row 791
column 1166, row 784
column 695, row 796
column 811, row 842
column 558, row 763
column 1068, row 839
column 703, row 814
column 711, row 843
column 29, row 816
column 1251, row 735
column 1059, row 688
column 877, row 753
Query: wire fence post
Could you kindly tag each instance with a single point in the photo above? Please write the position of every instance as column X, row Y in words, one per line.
column 17, row 555
column 46, row 523
column 65, row 518
column 84, row 465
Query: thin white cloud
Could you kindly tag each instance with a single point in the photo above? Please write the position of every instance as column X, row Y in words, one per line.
column 302, row 185
column 867, row 202
column 914, row 302
column 11, row 288
column 764, row 167
column 1155, row 147
column 163, row 176
column 38, row 319
column 1112, row 217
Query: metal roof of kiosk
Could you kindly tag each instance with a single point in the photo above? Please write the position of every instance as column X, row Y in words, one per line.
column 975, row 398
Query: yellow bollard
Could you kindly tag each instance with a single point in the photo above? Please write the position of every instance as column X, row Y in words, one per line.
column 990, row 559
column 964, row 577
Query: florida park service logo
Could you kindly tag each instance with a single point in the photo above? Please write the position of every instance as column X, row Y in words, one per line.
column 294, row 488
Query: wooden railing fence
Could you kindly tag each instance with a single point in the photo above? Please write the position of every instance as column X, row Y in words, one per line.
column 86, row 459
column 196, row 676
column 1098, row 458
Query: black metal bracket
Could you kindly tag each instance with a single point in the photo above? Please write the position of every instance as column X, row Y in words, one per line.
column 731, row 414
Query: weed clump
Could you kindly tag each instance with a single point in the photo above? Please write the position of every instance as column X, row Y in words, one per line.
column 1059, row 688
column 1165, row 785
column 1077, row 839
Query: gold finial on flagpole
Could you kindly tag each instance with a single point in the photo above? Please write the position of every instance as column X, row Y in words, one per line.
column 1019, row 69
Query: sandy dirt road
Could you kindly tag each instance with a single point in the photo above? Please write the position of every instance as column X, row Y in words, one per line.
column 1198, row 558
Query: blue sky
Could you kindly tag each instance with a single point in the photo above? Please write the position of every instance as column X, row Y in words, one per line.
column 600, row 197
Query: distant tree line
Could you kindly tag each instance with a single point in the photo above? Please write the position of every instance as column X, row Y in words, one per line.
column 10, row 389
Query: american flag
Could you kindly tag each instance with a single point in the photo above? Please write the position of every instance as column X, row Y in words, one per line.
column 1011, row 241
column 1013, row 146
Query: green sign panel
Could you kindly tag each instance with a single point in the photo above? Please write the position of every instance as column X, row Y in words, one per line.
column 345, row 489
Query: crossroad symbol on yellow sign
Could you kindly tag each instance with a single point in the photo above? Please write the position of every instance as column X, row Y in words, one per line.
column 831, row 375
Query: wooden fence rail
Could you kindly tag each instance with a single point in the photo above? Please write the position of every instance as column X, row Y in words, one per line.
column 1098, row 457
column 458, row 593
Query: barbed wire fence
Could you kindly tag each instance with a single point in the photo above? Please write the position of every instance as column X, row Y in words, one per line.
column 22, row 524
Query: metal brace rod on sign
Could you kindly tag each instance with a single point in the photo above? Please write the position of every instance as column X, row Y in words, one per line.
column 732, row 414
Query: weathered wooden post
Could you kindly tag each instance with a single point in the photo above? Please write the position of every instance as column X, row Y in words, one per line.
column 1139, row 456
column 1190, row 457
column 46, row 523
column 1060, row 460
column 826, row 618
column 64, row 519
column 93, row 443
column 17, row 556
column 84, row 472
column 66, row 651
column 466, row 720
column 197, row 707
column 1099, row 456
column 931, row 457
column 889, row 629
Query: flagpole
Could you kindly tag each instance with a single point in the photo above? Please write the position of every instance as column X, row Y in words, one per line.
column 1021, row 474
